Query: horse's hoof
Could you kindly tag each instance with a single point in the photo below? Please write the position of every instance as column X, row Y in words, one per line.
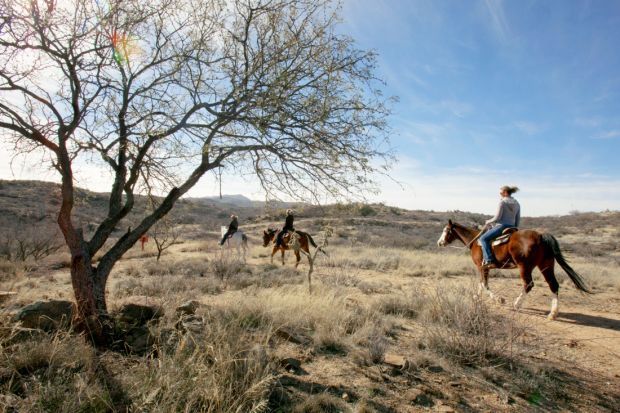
column 501, row 300
column 552, row 316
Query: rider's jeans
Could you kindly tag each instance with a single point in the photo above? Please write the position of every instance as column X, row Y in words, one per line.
column 487, row 237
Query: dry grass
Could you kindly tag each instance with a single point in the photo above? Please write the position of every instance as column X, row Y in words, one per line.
column 462, row 326
column 381, row 291
column 61, row 373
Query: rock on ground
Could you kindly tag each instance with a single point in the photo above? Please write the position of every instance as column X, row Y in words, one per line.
column 46, row 315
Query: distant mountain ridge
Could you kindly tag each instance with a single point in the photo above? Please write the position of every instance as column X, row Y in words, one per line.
column 238, row 200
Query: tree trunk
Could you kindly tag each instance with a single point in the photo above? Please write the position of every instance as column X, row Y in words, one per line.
column 89, row 289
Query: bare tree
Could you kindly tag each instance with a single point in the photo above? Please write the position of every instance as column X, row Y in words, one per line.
column 28, row 242
column 164, row 233
column 164, row 91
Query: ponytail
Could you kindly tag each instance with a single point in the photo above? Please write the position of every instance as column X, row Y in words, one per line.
column 510, row 189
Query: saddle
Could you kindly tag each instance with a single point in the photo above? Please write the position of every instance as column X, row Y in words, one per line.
column 505, row 237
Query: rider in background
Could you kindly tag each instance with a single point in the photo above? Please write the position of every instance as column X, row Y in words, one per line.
column 232, row 228
column 508, row 215
column 288, row 227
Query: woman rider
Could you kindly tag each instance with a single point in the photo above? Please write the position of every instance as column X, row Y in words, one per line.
column 508, row 215
column 232, row 228
column 288, row 227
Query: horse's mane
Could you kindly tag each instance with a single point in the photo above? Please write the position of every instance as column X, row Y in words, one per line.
column 456, row 224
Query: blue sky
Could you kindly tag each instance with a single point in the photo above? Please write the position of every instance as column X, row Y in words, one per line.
column 491, row 92
column 526, row 92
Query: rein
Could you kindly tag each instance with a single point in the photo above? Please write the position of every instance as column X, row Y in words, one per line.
column 467, row 244
column 470, row 243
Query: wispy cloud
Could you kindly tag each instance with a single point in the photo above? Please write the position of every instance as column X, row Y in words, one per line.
column 475, row 189
column 529, row 128
column 498, row 18
column 589, row 122
column 610, row 134
column 457, row 108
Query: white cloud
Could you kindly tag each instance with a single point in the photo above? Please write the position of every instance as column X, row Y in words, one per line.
column 590, row 122
column 467, row 189
column 610, row 134
column 476, row 190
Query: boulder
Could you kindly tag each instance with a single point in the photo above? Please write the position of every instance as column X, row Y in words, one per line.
column 420, row 397
column 288, row 334
column 395, row 361
column 190, row 324
column 138, row 314
column 187, row 308
column 139, row 339
column 46, row 315
column 290, row 363
column 17, row 334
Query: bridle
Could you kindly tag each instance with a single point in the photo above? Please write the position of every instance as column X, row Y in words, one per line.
column 455, row 234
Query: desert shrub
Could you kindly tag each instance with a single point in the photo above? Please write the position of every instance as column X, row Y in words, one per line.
column 188, row 266
column 399, row 305
column 9, row 269
column 225, row 266
column 223, row 371
column 367, row 210
column 29, row 242
column 58, row 373
column 461, row 326
column 375, row 344
column 190, row 286
column 265, row 276
column 220, row 368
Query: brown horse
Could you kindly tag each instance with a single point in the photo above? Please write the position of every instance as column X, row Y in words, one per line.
column 305, row 240
column 526, row 249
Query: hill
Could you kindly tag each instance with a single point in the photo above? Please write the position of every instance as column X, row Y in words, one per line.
column 29, row 204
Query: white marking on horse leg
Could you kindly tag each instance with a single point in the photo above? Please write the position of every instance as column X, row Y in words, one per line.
column 490, row 293
column 519, row 301
column 554, row 308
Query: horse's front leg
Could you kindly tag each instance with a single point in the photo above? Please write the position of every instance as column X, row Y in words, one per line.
column 484, row 286
column 273, row 252
column 282, row 251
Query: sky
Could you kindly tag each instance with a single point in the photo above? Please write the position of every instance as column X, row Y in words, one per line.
column 524, row 93
column 499, row 92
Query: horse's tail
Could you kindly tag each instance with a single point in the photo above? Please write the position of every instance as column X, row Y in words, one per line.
column 552, row 243
column 311, row 240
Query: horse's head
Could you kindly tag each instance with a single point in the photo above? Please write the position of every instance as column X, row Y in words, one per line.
column 268, row 235
column 447, row 236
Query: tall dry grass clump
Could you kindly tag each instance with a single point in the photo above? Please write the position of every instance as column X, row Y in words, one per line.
column 462, row 326
column 50, row 373
column 221, row 367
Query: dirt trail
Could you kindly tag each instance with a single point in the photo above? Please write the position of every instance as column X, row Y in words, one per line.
column 589, row 338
